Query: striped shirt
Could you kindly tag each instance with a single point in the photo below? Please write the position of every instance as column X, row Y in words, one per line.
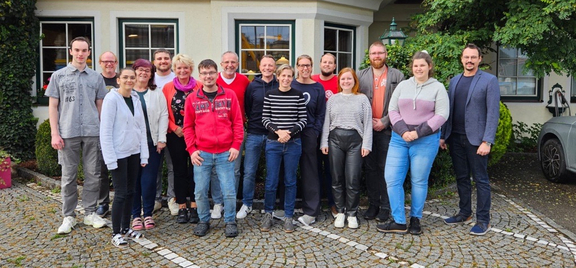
column 284, row 110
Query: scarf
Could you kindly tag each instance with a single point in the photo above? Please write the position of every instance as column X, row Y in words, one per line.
column 185, row 88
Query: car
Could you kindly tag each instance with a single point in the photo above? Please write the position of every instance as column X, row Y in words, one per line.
column 557, row 148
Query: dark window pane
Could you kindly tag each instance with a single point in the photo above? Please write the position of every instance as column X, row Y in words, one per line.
column 250, row 61
column 54, row 34
column 162, row 36
column 252, row 37
column 76, row 30
column 136, row 35
column 330, row 39
column 54, row 58
column 134, row 54
column 345, row 41
column 344, row 60
column 277, row 37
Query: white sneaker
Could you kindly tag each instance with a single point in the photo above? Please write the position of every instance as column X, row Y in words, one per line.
column 217, row 211
column 94, row 220
column 157, row 206
column 173, row 206
column 67, row 225
column 307, row 220
column 339, row 221
column 352, row 222
column 119, row 241
column 243, row 212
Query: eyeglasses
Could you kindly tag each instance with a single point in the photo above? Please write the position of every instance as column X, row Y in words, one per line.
column 305, row 65
column 208, row 73
column 108, row 62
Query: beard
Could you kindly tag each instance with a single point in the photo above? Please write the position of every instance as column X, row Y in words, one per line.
column 164, row 68
column 326, row 73
column 377, row 63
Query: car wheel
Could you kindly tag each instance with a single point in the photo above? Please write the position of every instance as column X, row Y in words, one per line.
column 553, row 162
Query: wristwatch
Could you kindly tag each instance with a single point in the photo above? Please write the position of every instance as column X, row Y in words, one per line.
column 488, row 143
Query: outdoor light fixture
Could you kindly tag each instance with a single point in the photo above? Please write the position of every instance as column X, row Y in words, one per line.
column 393, row 36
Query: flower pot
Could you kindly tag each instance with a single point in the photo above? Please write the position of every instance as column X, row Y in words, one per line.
column 42, row 100
column 5, row 173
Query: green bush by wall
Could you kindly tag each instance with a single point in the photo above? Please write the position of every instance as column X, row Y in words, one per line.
column 19, row 37
column 46, row 156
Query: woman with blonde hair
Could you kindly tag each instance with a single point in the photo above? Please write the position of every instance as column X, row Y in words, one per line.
column 175, row 93
column 346, row 139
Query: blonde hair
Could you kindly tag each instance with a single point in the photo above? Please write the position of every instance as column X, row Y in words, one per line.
column 182, row 59
column 284, row 67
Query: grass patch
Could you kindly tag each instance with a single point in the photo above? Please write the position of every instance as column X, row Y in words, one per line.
column 56, row 236
column 17, row 261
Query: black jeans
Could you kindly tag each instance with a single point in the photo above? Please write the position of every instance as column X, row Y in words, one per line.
column 374, row 170
column 183, row 169
column 309, row 173
column 124, row 179
column 466, row 161
column 345, row 154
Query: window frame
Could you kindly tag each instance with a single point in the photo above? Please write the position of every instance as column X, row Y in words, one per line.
column 122, row 48
column 237, row 37
column 40, row 62
column 340, row 27
column 537, row 97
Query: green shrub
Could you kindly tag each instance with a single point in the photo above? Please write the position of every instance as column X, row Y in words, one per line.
column 46, row 156
column 524, row 138
column 19, row 38
column 503, row 134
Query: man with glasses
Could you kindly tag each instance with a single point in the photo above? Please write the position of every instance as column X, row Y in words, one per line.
column 213, row 130
column 237, row 82
column 378, row 82
column 108, row 63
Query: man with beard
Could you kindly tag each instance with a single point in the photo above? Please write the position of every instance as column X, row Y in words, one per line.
column 228, row 78
column 470, row 132
column 164, row 74
column 378, row 82
column 329, row 81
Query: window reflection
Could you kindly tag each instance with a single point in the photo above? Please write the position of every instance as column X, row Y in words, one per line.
column 513, row 78
column 259, row 39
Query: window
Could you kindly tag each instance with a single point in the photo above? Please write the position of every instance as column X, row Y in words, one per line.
column 140, row 38
column 54, row 50
column 339, row 40
column 515, row 82
column 256, row 39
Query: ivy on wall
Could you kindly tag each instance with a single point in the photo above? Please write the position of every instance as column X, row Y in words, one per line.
column 19, row 37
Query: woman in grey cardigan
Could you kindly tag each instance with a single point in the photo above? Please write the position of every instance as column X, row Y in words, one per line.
column 347, row 138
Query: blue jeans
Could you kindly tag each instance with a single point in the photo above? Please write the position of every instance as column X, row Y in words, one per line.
column 254, row 145
column 466, row 161
column 289, row 153
column 225, row 172
column 418, row 156
column 215, row 190
column 145, row 191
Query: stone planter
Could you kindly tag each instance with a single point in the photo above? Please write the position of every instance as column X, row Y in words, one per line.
column 5, row 173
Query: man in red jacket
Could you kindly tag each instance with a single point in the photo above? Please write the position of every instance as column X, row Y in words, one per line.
column 213, row 130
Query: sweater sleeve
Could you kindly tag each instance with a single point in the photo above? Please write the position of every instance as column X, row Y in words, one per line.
column 106, row 140
column 367, row 133
column 267, row 114
column 398, row 124
column 237, row 123
column 144, row 153
column 320, row 109
column 302, row 117
column 441, row 113
column 189, row 127
column 326, row 125
column 163, row 121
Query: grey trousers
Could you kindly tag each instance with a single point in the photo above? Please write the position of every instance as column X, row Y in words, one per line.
column 170, row 191
column 69, row 158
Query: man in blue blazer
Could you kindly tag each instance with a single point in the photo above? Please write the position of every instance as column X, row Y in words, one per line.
column 469, row 132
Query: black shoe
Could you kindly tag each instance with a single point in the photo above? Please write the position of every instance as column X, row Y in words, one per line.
column 392, row 227
column 383, row 215
column 414, row 227
column 371, row 213
column 201, row 229
column 182, row 215
column 102, row 210
column 194, row 215
column 231, row 230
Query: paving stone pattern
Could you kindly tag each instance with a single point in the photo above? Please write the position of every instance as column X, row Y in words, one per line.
column 30, row 216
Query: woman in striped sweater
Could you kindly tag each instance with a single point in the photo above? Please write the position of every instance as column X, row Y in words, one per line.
column 418, row 108
column 284, row 115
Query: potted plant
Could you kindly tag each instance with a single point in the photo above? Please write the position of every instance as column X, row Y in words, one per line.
column 41, row 99
column 5, row 170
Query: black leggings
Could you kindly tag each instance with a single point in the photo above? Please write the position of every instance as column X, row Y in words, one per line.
column 183, row 169
column 124, row 179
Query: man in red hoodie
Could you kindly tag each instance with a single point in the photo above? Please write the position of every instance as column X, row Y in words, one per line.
column 213, row 130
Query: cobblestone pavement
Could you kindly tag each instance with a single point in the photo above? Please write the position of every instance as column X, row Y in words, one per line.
column 30, row 216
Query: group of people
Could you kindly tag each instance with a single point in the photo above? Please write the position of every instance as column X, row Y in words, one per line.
column 332, row 128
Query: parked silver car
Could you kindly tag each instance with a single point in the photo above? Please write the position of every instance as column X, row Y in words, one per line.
column 557, row 148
